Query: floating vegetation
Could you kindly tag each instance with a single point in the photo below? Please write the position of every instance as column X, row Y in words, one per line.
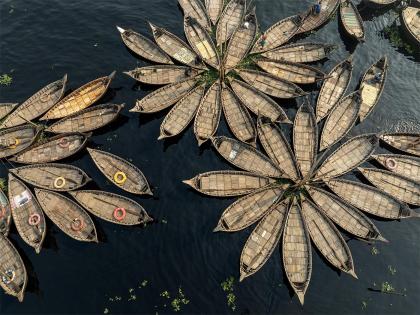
column 374, row 251
column 387, row 288
column 392, row 270
column 228, row 287
column 5, row 79
column 393, row 33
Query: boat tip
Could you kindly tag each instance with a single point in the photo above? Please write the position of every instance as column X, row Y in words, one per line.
column 218, row 228
column 242, row 276
column 20, row 296
column 414, row 214
column 201, row 141
column 382, row 239
column 112, row 75
column 162, row 136
column 189, row 182
column 353, row 274
column 149, row 192
column 301, row 297
column 120, row 29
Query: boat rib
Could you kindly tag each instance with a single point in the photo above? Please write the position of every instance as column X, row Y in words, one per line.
column 16, row 139
column 411, row 21
column 408, row 166
column 162, row 74
column 351, row 20
column 245, row 157
column 52, row 176
column 6, row 214
column 407, row 142
column 300, row 52
column 27, row 214
column 6, row 109
column 314, row 20
column 228, row 183
column 229, row 20
column 120, row 172
column 67, row 215
column 214, row 9
column 80, row 99
column 196, row 10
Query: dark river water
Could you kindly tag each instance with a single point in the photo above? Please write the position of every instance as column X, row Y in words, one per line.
column 40, row 40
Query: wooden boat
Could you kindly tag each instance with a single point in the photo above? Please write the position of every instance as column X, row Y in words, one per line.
column 16, row 139
column 196, row 10
column 407, row 142
column 27, row 214
column 80, row 98
column 371, row 199
column 52, row 149
column 52, row 176
column 176, row 47
column 371, row 88
column 5, row 215
column 340, row 120
column 163, row 74
column 300, row 52
column 241, row 42
column 327, row 238
column 143, row 46
column 228, row 183
column 297, row 255
column 120, row 172
column 278, row 34
column 111, row 207
column 291, row 71
column 229, row 20
column 208, row 114
column 237, row 117
column 12, row 271
column 344, row 215
column 379, row 3
column 351, row 20
column 348, row 156
column 164, row 97
column 6, row 109
column 277, row 148
column 398, row 186
column 334, row 88
column 408, row 166
column 249, row 209
column 71, row 218
column 245, row 157
column 182, row 113
column 270, row 84
column 89, row 119
column 258, row 103
column 313, row 20
column 262, row 241
column 201, row 41
column 214, row 9
column 37, row 104
column 411, row 22
column 305, row 138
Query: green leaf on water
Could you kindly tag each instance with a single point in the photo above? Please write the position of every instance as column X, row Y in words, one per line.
column 5, row 79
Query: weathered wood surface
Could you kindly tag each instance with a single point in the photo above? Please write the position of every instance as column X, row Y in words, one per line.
column 196, row 10
column 6, row 109
column 162, row 74
column 214, row 9
column 411, row 21
column 229, row 20
column 16, row 139
column 6, row 214
column 351, row 20
column 313, row 20
column 408, row 166
column 407, row 142
column 300, row 52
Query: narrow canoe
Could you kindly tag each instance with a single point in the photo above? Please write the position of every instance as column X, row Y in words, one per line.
column 52, row 176
column 300, row 52
column 398, row 186
column 371, row 87
column 270, row 84
column 340, row 120
column 297, row 255
column 27, row 214
column 277, row 148
column 67, row 215
column 291, row 71
column 214, row 9
column 327, row 238
column 262, row 241
column 351, row 20
column 249, row 209
column 5, row 215
column 16, row 139
column 411, row 22
column 241, row 42
column 313, row 20
column 143, row 46
column 228, row 183
column 80, row 98
column 258, row 103
column 182, row 113
column 6, row 109
column 305, row 138
column 111, row 207
column 37, row 104
column 120, row 172
column 344, row 215
column 229, row 20
column 245, row 157
column 164, row 97
column 52, row 149
column 196, row 10
column 162, row 74
column 348, row 156
column 407, row 142
column 334, row 87
column 12, row 271
column 408, row 166
column 208, row 114
column 201, row 41
column 89, row 119
column 371, row 199
column 278, row 34
column 237, row 117
column 176, row 47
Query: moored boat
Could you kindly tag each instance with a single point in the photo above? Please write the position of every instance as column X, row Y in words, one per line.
column 16, row 139
column 214, row 9
column 229, row 20
column 408, row 166
column 407, row 142
column 162, row 74
column 316, row 16
column 5, row 215
column 411, row 21
column 300, row 52
column 380, row 3
column 196, row 10
column 351, row 20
